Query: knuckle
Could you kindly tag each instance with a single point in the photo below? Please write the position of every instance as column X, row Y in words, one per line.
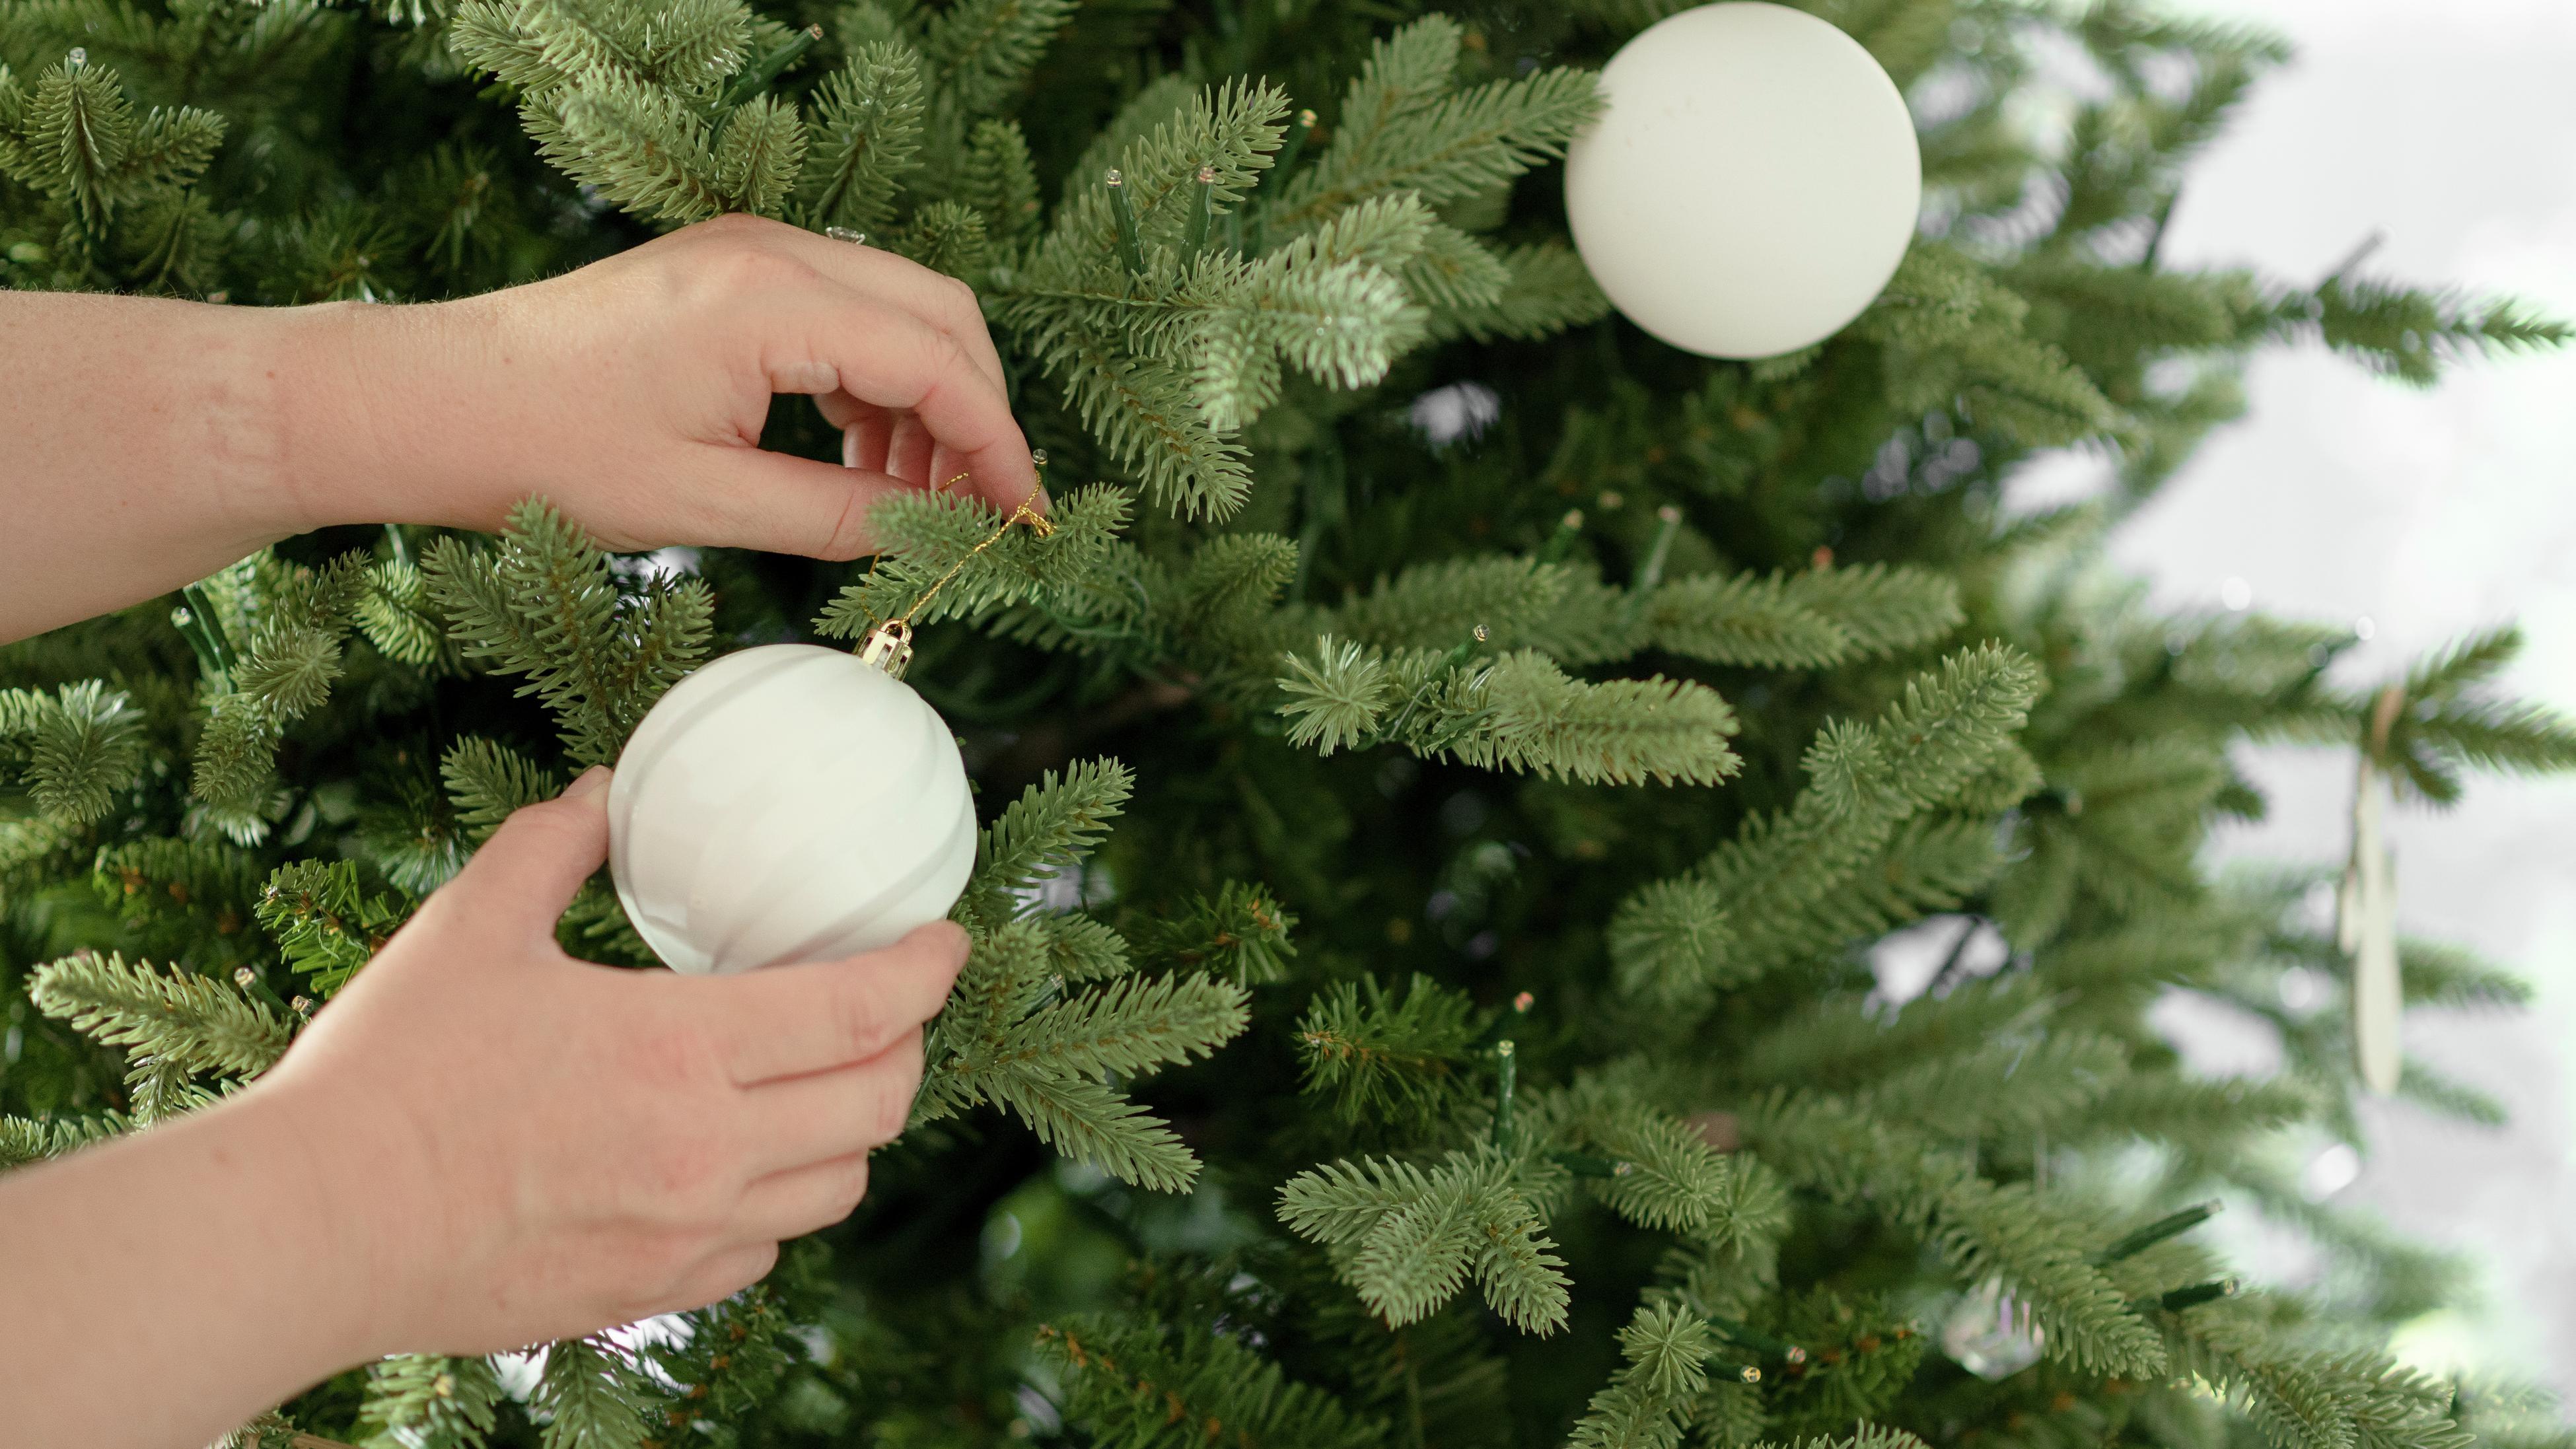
column 537, row 819
column 669, row 1056
column 549, row 823
column 848, row 535
column 752, row 1266
column 442, row 910
column 852, row 1188
column 929, row 948
column 734, row 224
column 692, row 1174
column 931, row 353
column 862, row 1023
column 752, row 265
column 889, row 1109
column 653, row 1267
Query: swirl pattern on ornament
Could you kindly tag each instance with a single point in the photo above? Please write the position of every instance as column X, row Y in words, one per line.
column 787, row 803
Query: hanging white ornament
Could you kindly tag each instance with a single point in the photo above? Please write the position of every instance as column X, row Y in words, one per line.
column 2366, row 929
column 789, row 803
column 794, row 803
column 1752, row 183
column 1990, row 1332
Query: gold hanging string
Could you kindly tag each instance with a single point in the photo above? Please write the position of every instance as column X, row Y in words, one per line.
column 888, row 646
column 1037, row 522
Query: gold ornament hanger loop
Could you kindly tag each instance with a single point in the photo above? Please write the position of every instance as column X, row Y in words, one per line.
column 889, row 645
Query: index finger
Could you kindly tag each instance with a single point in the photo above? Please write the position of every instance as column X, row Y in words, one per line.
column 787, row 1021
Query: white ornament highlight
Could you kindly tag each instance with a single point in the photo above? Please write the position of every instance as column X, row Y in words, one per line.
column 787, row 803
column 1990, row 1333
column 1752, row 184
column 2366, row 929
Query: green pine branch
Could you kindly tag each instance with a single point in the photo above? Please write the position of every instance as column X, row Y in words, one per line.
column 1954, row 337
column 191, row 899
column 1549, row 291
column 75, row 138
column 1012, row 1035
column 488, row 781
column 1090, row 1122
column 2003, row 1086
column 2410, row 334
column 594, row 1397
column 24, row 1140
column 1240, row 933
column 325, row 924
column 1054, row 824
column 425, row 1401
column 863, row 140
column 981, row 51
column 1130, row 1028
column 545, row 604
column 1651, row 1398
column 1980, row 1228
column 1399, row 1056
column 1840, row 1038
column 174, row 1020
column 1403, row 127
column 928, row 537
column 1408, row 1239
column 77, row 747
column 1519, row 712
column 1000, row 181
column 1662, row 1174
column 1141, row 1385
column 1793, row 884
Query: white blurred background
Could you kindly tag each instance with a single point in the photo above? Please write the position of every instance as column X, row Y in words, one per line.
column 2449, row 127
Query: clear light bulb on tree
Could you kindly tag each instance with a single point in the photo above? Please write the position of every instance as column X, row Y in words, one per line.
column 1752, row 183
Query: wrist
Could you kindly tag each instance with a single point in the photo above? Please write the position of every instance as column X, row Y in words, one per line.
column 213, row 1248
column 377, row 424
column 330, row 1188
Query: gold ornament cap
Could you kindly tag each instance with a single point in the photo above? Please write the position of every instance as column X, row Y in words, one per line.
column 888, row 647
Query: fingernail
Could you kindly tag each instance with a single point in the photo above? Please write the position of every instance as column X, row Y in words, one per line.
column 590, row 780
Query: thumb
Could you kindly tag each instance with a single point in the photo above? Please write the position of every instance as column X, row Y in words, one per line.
column 526, row 874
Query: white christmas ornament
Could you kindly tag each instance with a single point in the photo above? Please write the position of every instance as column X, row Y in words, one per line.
column 787, row 803
column 1751, row 185
column 2366, row 929
column 1990, row 1332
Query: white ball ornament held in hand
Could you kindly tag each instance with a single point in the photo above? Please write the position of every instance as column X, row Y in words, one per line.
column 1751, row 184
column 787, row 803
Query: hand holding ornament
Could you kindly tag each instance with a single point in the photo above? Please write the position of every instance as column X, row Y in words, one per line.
column 541, row 1147
column 481, row 1143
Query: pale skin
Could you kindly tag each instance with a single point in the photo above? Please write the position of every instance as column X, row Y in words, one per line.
column 481, row 1143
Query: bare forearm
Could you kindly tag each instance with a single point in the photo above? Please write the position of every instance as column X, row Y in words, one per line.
column 169, row 1286
column 142, row 449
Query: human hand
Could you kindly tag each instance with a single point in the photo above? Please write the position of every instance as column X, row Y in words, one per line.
column 541, row 1147
column 633, row 393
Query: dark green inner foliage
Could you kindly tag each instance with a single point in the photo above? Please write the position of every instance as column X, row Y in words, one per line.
column 1421, row 989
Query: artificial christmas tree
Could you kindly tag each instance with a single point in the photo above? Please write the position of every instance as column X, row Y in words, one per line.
column 1420, row 989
